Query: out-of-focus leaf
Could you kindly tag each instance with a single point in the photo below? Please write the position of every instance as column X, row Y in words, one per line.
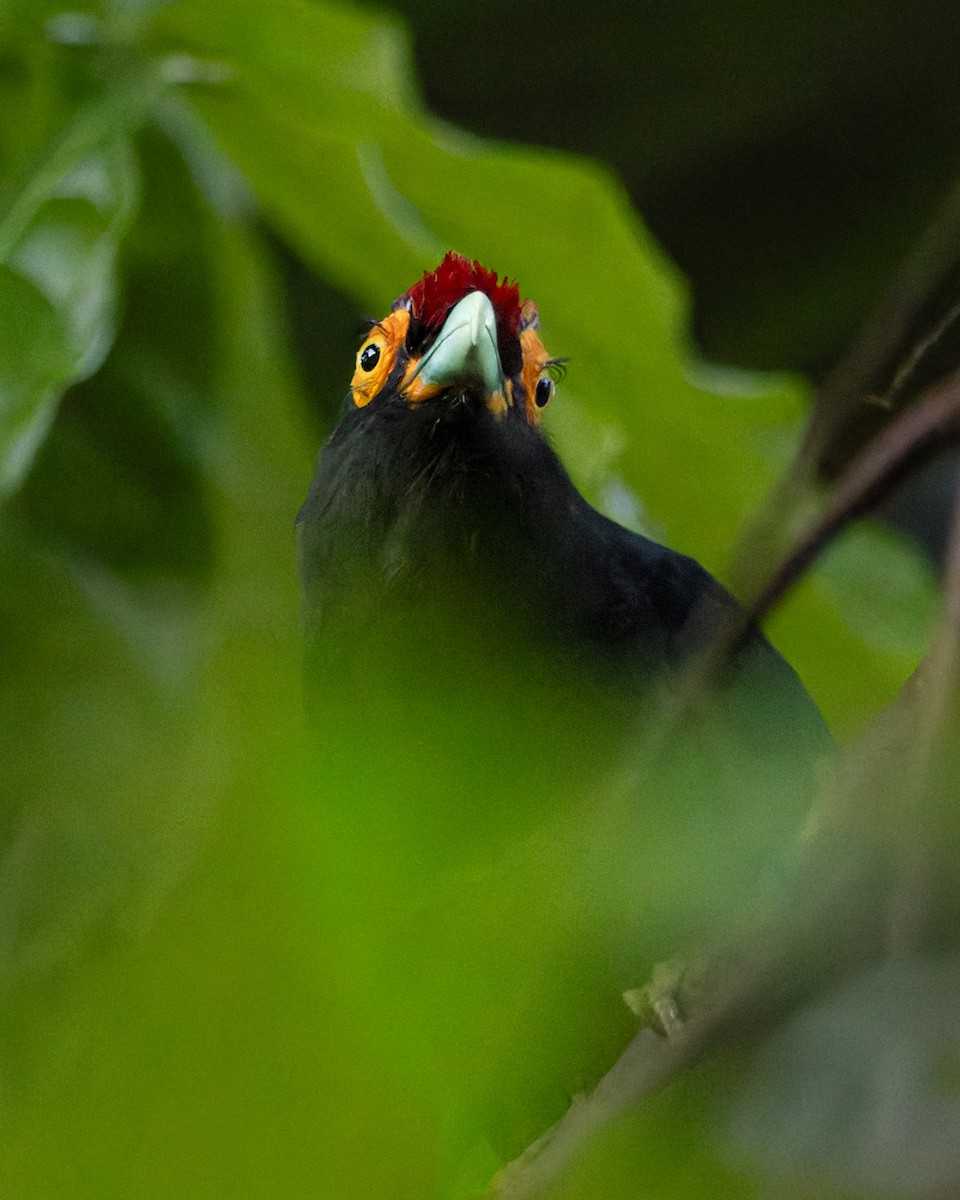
column 61, row 224
column 119, row 484
column 371, row 192
column 670, row 1148
column 35, row 360
column 872, row 602
column 862, row 1090
column 169, row 1012
column 86, row 833
column 884, row 586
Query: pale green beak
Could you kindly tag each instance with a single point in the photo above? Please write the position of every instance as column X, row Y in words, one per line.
column 465, row 351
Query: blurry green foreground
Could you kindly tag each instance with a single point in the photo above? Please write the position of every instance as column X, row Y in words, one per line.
column 193, row 1000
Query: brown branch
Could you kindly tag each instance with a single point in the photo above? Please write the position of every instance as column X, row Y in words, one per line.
column 916, row 436
column 648, row 1063
column 833, row 923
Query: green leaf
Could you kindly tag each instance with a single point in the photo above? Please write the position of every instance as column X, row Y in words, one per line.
column 119, row 880
column 858, row 624
column 34, row 359
column 61, row 225
column 668, row 1148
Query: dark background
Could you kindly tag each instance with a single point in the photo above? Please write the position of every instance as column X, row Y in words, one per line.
column 787, row 156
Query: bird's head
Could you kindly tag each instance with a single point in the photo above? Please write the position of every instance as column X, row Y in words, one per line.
column 438, row 483
column 458, row 333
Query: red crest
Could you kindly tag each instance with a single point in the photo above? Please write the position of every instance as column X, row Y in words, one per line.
column 438, row 291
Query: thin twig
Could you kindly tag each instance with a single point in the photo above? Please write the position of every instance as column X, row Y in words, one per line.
column 751, row 983
column 883, row 340
column 951, row 581
column 916, row 436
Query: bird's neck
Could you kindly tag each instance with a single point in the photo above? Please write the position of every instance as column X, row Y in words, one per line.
column 423, row 511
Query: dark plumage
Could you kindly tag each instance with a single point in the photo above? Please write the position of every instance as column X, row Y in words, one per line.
column 508, row 648
column 414, row 491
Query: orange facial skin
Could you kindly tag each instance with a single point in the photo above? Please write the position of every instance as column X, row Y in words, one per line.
column 535, row 362
column 381, row 351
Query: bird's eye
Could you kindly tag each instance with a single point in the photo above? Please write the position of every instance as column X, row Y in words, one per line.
column 369, row 357
column 544, row 392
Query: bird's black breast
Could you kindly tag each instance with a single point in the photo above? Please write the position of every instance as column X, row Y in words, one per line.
column 415, row 511
column 494, row 649
column 442, row 544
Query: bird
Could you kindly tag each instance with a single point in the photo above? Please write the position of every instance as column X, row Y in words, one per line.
column 485, row 655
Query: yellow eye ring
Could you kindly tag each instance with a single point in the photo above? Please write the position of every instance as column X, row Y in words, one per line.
column 378, row 355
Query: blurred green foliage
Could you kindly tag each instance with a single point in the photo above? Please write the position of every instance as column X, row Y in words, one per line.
column 190, row 1003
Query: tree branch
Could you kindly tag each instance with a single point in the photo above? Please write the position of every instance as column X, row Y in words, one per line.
column 916, row 436
column 833, row 922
